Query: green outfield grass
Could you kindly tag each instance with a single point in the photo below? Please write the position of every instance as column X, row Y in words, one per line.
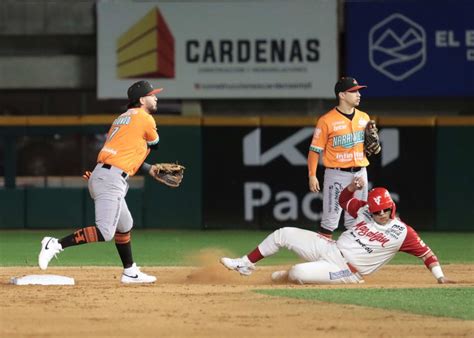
column 442, row 302
column 175, row 247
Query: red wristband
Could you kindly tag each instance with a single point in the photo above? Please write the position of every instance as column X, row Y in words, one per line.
column 431, row 260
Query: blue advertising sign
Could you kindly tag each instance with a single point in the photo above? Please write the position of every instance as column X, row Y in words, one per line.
column 411, row 48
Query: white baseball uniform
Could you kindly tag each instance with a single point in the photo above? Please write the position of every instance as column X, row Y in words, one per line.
column 359, row 251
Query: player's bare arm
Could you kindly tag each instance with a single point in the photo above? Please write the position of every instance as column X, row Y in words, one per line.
column 313, row 158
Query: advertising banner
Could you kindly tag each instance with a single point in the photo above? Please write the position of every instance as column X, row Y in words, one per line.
column 410, row 176
column 411, row 48
column 262, row 182
column 218, row 49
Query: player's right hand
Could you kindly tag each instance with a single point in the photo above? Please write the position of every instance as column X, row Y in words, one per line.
column 444, row 280
column 87, row 175
column 313, row 184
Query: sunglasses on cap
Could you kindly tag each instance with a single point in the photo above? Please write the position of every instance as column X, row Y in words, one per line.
column 381, row 212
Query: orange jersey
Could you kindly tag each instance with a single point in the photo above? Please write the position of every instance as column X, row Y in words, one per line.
column 340, row 140
column 127, row 142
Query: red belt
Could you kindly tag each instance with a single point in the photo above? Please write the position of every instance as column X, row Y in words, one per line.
column 352, row 268
column 349, row 265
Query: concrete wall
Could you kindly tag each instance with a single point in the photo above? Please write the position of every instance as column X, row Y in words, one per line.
column 47, row 17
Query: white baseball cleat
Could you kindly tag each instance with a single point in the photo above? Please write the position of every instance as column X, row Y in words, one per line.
column 241, row 265
column 133, row 275
column 279, row 276
column 50, row 247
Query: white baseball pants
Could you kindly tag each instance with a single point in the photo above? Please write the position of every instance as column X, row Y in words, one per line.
column 326, row 265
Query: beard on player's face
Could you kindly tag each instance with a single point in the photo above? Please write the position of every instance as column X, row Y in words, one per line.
column 151, row 104
column 152, row 108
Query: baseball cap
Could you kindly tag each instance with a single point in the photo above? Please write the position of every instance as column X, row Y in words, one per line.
column 140, row 89
column 347, row 84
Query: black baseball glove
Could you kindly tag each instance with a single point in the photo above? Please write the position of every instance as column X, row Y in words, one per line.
column 371, row 139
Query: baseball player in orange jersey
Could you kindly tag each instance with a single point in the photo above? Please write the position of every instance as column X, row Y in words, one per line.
column 128, row 143
column 339, row 139
column 371, row 243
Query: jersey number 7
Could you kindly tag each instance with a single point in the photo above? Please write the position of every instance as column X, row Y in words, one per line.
column 112, row 133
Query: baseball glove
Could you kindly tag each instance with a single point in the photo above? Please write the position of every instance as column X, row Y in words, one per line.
column 170, row 174
column 371, row 139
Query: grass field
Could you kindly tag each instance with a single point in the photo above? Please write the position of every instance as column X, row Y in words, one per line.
column 175, row 247
column 452, row 302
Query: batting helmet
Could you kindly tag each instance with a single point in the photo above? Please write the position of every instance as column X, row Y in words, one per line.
column 380, row 199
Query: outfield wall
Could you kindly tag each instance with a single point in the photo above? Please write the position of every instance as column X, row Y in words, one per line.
column 244, row 172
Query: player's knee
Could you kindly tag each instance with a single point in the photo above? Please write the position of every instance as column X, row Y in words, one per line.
column 283, row 233
column 106, row 233
column 125, row 227
column 297, row 274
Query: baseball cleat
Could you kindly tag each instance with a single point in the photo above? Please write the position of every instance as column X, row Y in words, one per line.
column 279, row 276
column 241, row 265
column 50, row 247
column 133, row 275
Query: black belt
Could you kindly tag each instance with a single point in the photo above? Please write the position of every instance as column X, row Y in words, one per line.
column 350, row 170
column 108, row 166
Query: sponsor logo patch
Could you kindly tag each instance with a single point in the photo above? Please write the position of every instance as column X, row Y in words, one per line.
column 340, row 274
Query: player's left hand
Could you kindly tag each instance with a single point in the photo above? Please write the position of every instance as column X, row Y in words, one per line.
column 170, row 174
column 356, row 184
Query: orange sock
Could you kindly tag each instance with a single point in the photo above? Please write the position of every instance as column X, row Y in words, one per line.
column 122, row 238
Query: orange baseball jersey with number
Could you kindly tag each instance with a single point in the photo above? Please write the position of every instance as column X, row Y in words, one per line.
column 341, row 140
column 128, row 139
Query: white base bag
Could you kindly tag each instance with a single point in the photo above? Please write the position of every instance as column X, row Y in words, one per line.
column 42, row 280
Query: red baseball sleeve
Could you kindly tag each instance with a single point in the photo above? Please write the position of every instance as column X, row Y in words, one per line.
column 413, row 244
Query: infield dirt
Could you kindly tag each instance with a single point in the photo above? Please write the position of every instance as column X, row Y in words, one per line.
column 209, row 301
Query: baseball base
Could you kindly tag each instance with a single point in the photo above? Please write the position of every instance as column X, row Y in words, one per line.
column 42, row 280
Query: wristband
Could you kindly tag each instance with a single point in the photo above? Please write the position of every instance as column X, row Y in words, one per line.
column 437, row 272
column 145, row 168
column 430, row 260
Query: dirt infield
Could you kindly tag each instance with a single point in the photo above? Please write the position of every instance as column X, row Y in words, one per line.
column 210, row 302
